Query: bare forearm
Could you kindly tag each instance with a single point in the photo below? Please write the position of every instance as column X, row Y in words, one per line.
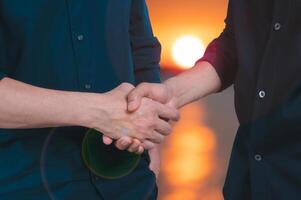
column 26, row 106
column 194, row 84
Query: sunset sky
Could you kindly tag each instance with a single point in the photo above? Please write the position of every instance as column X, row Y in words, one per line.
column 172, row 19
column 195, row 156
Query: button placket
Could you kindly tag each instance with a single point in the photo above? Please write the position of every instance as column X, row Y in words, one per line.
column 81, row 47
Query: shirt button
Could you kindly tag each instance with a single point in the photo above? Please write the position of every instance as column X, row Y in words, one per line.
column 80, row 37
column 277, row 26
column 258, row 157
column 87, row 86
column 262, row 94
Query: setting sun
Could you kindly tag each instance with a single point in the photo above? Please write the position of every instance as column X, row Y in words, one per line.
column 187, row 50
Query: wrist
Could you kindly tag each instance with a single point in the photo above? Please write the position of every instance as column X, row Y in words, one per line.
column 171, row 86
column 89, row 109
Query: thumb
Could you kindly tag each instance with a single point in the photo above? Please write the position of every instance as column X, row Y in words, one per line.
column 135, row 96
column 133, row 102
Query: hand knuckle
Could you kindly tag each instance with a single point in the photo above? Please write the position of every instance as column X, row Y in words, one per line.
column 149, row 134
column 127, row 86
column 143, row 84
column 151, row 126
column 168, row 130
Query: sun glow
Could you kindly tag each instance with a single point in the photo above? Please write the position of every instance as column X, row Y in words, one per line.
column 187, row 50
column 189, row 158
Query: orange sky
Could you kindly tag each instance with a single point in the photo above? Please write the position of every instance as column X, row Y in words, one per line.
column 189, row 155
column 172, row 19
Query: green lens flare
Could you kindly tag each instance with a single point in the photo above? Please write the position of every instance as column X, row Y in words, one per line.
column 106, row 161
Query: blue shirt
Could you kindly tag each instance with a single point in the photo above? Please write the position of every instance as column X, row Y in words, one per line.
column 71, row 45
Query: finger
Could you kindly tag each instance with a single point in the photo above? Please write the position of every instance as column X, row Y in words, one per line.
column 134, row 147
column 148, row 145
column 140, row 150
column 155, row 92
column 154, row 165
column 168, row 113
column 123, row 143
column 156, row 137
column 163, row 127
column 107, row 140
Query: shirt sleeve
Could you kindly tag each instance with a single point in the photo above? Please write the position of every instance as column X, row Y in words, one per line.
column 146, row 48
column 221, row 53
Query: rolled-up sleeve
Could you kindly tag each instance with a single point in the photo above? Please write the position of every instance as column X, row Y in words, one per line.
column 146, row 48
column 221, row 53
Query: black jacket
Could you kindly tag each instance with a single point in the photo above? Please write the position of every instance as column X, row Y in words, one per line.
column 259, row 52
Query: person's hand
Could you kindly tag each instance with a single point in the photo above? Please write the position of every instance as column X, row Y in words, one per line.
column 111, row 117
column 158, row 92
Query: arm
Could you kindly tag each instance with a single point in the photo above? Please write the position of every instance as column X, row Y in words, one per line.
column 214, row 72
column 27, row 106
column 203, row 80
column 177, row 91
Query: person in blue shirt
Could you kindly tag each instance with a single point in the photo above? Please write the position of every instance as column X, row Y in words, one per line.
column 63, row 65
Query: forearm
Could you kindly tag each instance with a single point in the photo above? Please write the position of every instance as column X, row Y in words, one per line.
column 194, row 84
column 26, row 106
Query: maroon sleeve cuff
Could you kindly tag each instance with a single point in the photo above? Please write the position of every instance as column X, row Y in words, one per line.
column 221, row 54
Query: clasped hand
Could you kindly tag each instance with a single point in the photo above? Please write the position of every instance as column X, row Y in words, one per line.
column 138, row 118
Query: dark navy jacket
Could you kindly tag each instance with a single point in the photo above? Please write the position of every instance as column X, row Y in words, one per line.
column 71, row 45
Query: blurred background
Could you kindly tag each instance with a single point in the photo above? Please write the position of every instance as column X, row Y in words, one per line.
column 195, row 157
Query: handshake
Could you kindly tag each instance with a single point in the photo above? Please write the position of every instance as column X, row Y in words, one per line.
column 137, row 118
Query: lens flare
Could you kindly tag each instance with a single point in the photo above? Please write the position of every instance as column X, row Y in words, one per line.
column 106, row 161
column 43, row 164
